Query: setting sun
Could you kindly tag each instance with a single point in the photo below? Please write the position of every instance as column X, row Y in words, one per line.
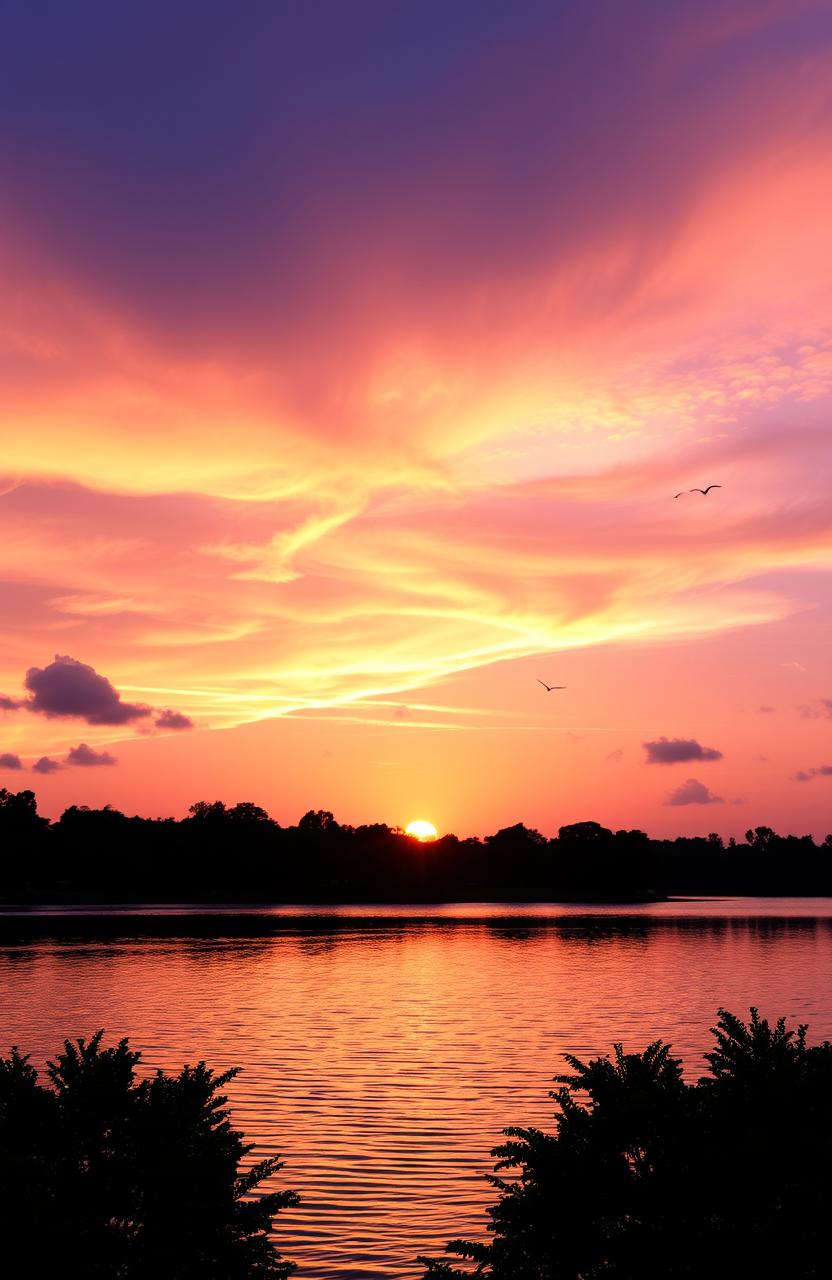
column 421, row 830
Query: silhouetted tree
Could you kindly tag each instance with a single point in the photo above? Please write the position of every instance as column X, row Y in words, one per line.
column 515, row 838
column 648, row 1177
column 247, row 813
column 18, row 809
column 593, row 863
column 760, row 838
column 22, row 838
column 204, row 811
column 514, row 856
column 113, row 1178
column 316, row 821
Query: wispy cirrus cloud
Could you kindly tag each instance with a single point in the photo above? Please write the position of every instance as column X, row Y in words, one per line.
column 477, row 575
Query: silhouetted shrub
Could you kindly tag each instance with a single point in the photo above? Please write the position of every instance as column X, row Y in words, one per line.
column 104, row 1176
column 647, row 1176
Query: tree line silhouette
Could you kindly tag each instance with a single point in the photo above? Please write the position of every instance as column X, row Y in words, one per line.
column 222, row 853
column 107, row 1176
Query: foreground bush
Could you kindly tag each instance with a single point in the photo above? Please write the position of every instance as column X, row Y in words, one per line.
column 105, row 1176
column 649, row 1177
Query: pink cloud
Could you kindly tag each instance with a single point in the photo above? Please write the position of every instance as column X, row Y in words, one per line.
column 173, row 720
column 69, row 688
column 693, row 792
column 46, row 766
column 678, row 751
column 88, row 758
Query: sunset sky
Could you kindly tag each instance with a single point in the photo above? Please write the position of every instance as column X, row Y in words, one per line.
column 352, row 354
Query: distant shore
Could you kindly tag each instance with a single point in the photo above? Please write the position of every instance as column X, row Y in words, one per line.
column 240, row 854
column 21, row 922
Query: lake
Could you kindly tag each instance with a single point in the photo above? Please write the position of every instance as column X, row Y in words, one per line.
column 384, row 1048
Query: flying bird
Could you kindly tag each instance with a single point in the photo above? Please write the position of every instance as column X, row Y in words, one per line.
column 704, row 492
column 549, row 687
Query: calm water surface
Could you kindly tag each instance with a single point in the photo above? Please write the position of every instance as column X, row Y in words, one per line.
column 383, row 1049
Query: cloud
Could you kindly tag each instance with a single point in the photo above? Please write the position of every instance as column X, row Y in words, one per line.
column 168, row 719
column 806, row 775
column 615, row 755
column 821, row 709
column 678, row 751
column 85, row 756
column 46, row 765
column 9, row 704
column 10, row 761
column 765, row 711
column 67, row 687
column 693, row 792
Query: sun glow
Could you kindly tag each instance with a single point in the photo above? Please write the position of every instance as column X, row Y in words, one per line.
column 421, row 830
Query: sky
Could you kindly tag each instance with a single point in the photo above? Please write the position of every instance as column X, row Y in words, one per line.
column 351, row 356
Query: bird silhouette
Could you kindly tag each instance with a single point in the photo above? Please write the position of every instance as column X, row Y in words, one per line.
column 549, row 687
column 704, row 492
